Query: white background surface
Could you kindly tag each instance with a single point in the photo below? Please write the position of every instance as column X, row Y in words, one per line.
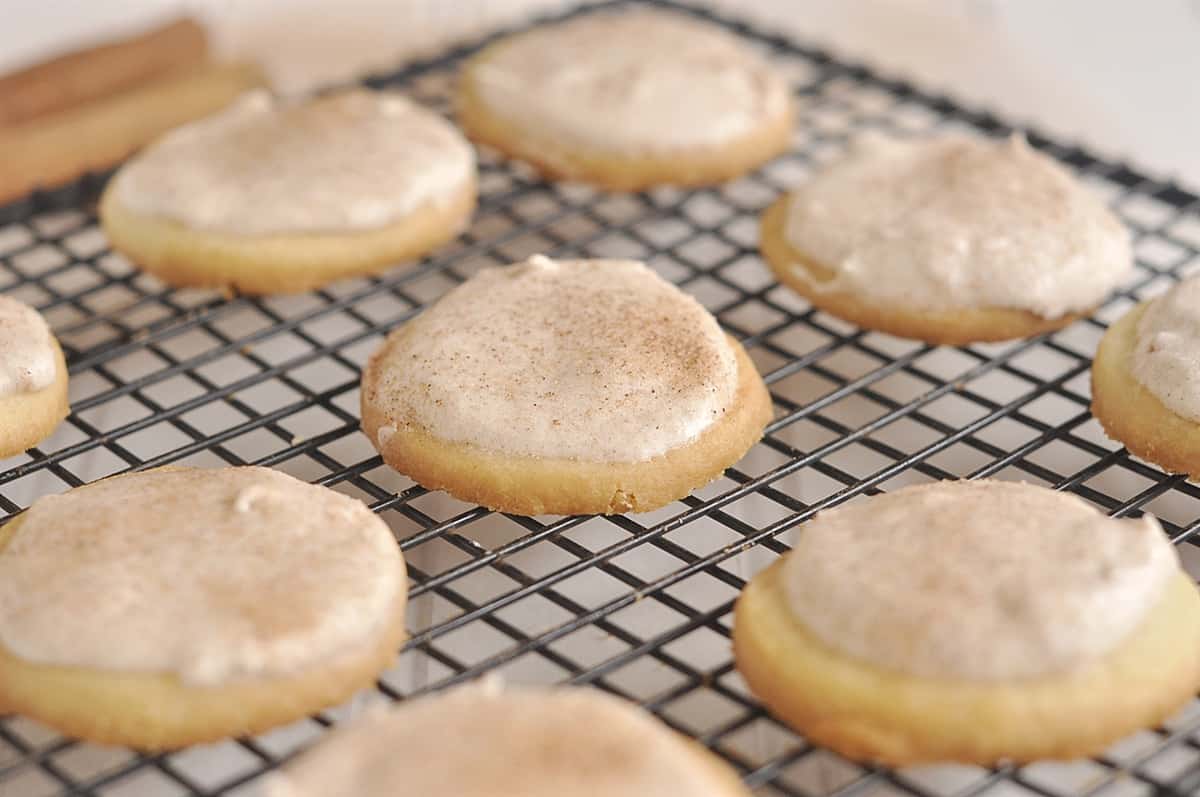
column 1122, row 77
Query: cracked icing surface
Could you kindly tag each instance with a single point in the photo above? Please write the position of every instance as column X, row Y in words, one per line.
column 1166, row 353
column 632, row 81
column 28, row 361
column 354, row 160
column 955, row 222
column 480, row 741
column 594, row 360
column 981, row 580
column 212, row 575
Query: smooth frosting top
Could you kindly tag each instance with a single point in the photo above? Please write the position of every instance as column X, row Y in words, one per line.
column 1166, row 352
column 958, row 222
column 981, row 580
column 595, row 360
column 482, row 741
column 353, row 160
column 210, row 575
column 28, row 361
column 634, row 80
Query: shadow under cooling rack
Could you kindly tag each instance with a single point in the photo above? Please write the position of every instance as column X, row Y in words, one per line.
column 638, row 605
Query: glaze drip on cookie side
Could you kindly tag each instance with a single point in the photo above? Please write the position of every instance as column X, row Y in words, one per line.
column 28, row 360
column 632, row 81
column 956, row 222
column 976, row 581
column 1166, row 353
column 211, row 575
column 593, row 360
column 534, row 743
column 356, row 160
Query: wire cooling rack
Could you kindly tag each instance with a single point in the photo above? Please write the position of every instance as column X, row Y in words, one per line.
column 638, row 605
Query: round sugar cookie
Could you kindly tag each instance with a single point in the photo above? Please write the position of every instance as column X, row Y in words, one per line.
column 280, row 198
column 563, row 387
column 976, row 622
column 627, row 100
column 33, row 378
column 177, row 606
column 950, row 239
column 1146, row 380
column 529, row 742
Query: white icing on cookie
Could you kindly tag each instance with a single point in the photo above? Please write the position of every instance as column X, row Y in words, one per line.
column 211, row 575
column 483, row 741
column 631, row 81
column 956, row 222
column 1166, row 353
column 355, row 160
column 28, row 361
column 594, row 360
column 981, row 580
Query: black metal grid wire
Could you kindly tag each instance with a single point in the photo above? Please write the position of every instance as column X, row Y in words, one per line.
column 638, row 605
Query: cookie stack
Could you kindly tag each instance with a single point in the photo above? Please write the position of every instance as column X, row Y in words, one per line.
column 967, row 621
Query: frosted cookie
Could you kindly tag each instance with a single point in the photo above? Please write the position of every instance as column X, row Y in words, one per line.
column 1146, row 380
column 948, row 240
column 177, row 606
column 528, row 742
column 33, row 378
column 270, row 198
column 628, row 100
column 971, row 621
column 564, row 387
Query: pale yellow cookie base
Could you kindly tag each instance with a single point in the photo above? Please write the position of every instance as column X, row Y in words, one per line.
column 1131, row 414
column 724, row 777
column 946, row 327
column 267, row 264
column 53, row 149
column 158, row 712
column 27, row 419
column 867, row 713
column 557, row 159
column 532, row 486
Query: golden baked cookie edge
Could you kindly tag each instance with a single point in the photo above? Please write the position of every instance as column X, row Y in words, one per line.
column 868, row 713
column 1131, row 414
column 557, row 161
column 533, row 486
column 282, row 263
column 941, row 327
column 152, row 712
column 27, row 419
